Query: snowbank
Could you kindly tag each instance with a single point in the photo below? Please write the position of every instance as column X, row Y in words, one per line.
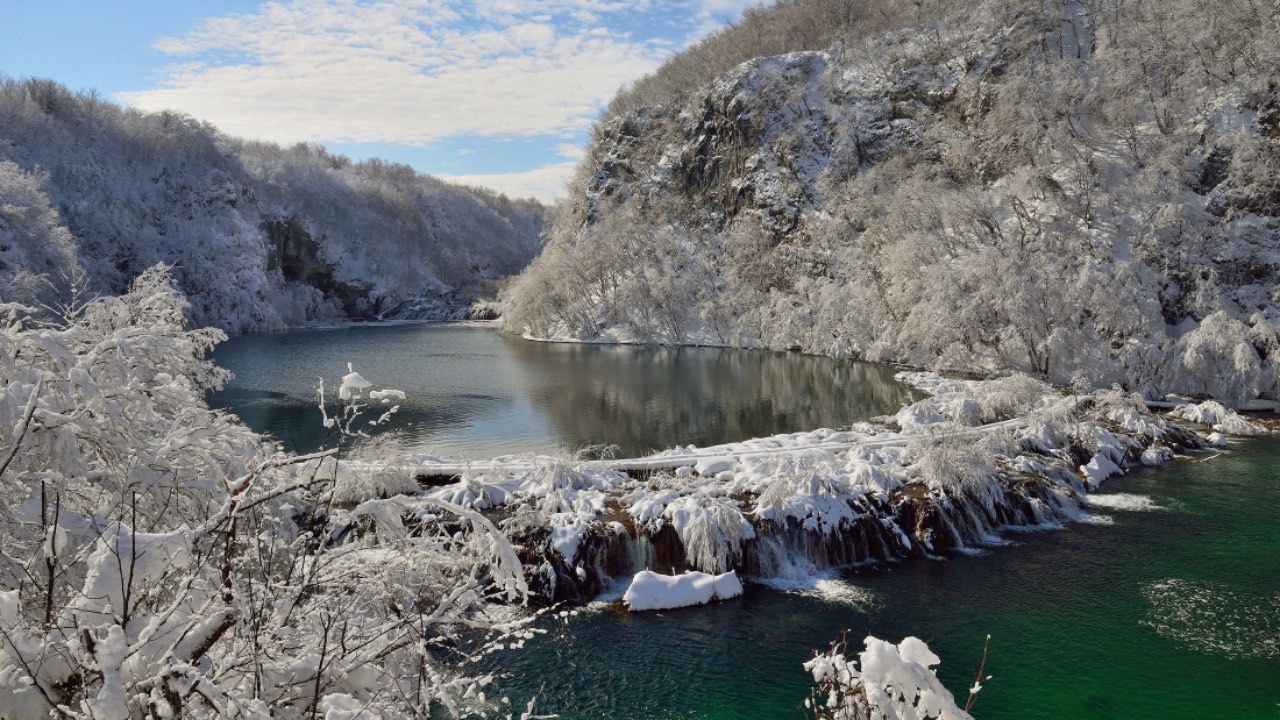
column 651, row 591
column 1219, row 417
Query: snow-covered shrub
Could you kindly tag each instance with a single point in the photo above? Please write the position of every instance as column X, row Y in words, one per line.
column 1217, row 416
column 712, row 530
column 957, row 462
column 1012, row 396
column 161, row 560
column 884, row 682
column 809, row 491
column 108, row 409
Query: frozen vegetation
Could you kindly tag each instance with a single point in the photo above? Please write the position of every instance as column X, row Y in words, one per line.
column 260, row 237
column 1075, row 192
column 159, row 560
column 947, row 474
column 884, row 682
column 1079, row 190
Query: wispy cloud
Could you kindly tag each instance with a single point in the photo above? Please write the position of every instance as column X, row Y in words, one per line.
column 710, row 15
column 419, row 72
column 402, row 71
column 545, row 183
column 570, row 150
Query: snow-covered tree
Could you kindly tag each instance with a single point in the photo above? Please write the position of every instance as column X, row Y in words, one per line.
column 37, row 253
column 158, row 559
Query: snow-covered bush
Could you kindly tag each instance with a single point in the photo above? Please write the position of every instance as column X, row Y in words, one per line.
column 1220, row 418
column 161, row 560
column 712, row 530
column 809, row 491
column 956, row 462
column 884, row 682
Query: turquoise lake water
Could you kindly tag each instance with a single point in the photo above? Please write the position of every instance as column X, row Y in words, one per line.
column 1164, row 613
column 476, row 393
column 1170, row 612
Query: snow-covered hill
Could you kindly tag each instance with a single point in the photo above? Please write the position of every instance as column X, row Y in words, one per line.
column 1086, row 191
column 262, row 237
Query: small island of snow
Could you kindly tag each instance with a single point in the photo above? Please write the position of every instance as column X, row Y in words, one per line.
column 652, row 591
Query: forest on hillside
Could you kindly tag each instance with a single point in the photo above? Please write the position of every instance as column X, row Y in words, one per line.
column 1085, row 190
column 260, row 237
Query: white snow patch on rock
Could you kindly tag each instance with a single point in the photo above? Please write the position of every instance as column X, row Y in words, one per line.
column 651, row 591
column 1099, row 468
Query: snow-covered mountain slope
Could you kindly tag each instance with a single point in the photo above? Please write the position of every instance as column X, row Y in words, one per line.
column 1086, row 193
column 262, row 237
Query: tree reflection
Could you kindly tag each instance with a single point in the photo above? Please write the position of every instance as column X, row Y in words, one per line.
column 644, row 398
column 474, row 393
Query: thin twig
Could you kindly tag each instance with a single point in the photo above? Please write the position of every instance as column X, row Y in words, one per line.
column 27, row 414
column 977, row 677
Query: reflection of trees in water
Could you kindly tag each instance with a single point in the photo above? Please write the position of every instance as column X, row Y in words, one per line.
column 644, row 399
column 472, row 391
column 298, row 424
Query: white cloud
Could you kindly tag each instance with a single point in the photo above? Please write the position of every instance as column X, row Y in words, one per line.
column 571, row 151
column 545, row 183
column 402, row 71
column 725, row 7
column 711, row 15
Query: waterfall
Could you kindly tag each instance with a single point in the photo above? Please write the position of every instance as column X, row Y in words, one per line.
column 774, row 558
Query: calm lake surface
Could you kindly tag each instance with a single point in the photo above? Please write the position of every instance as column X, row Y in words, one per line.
column 1168, row 613
column 475, row 393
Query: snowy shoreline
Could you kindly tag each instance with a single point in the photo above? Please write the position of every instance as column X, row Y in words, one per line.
column 1169, row 402
column 947, row 474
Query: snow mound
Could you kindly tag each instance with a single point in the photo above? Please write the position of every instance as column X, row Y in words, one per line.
column 1217, row 416
column 651, row 591
column 1099, row 468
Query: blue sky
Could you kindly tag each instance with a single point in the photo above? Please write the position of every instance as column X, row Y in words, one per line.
column 492, row 92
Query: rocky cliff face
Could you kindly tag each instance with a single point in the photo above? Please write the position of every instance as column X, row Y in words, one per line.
column 297, row 255
column 997, row 189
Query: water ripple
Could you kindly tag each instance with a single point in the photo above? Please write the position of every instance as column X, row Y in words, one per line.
column 1214, row 618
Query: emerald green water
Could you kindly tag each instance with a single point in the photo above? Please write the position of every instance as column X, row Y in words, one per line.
column 1080, row 626
column 1169, row 613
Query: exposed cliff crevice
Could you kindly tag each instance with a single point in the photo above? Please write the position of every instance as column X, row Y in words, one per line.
column 297, row 255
